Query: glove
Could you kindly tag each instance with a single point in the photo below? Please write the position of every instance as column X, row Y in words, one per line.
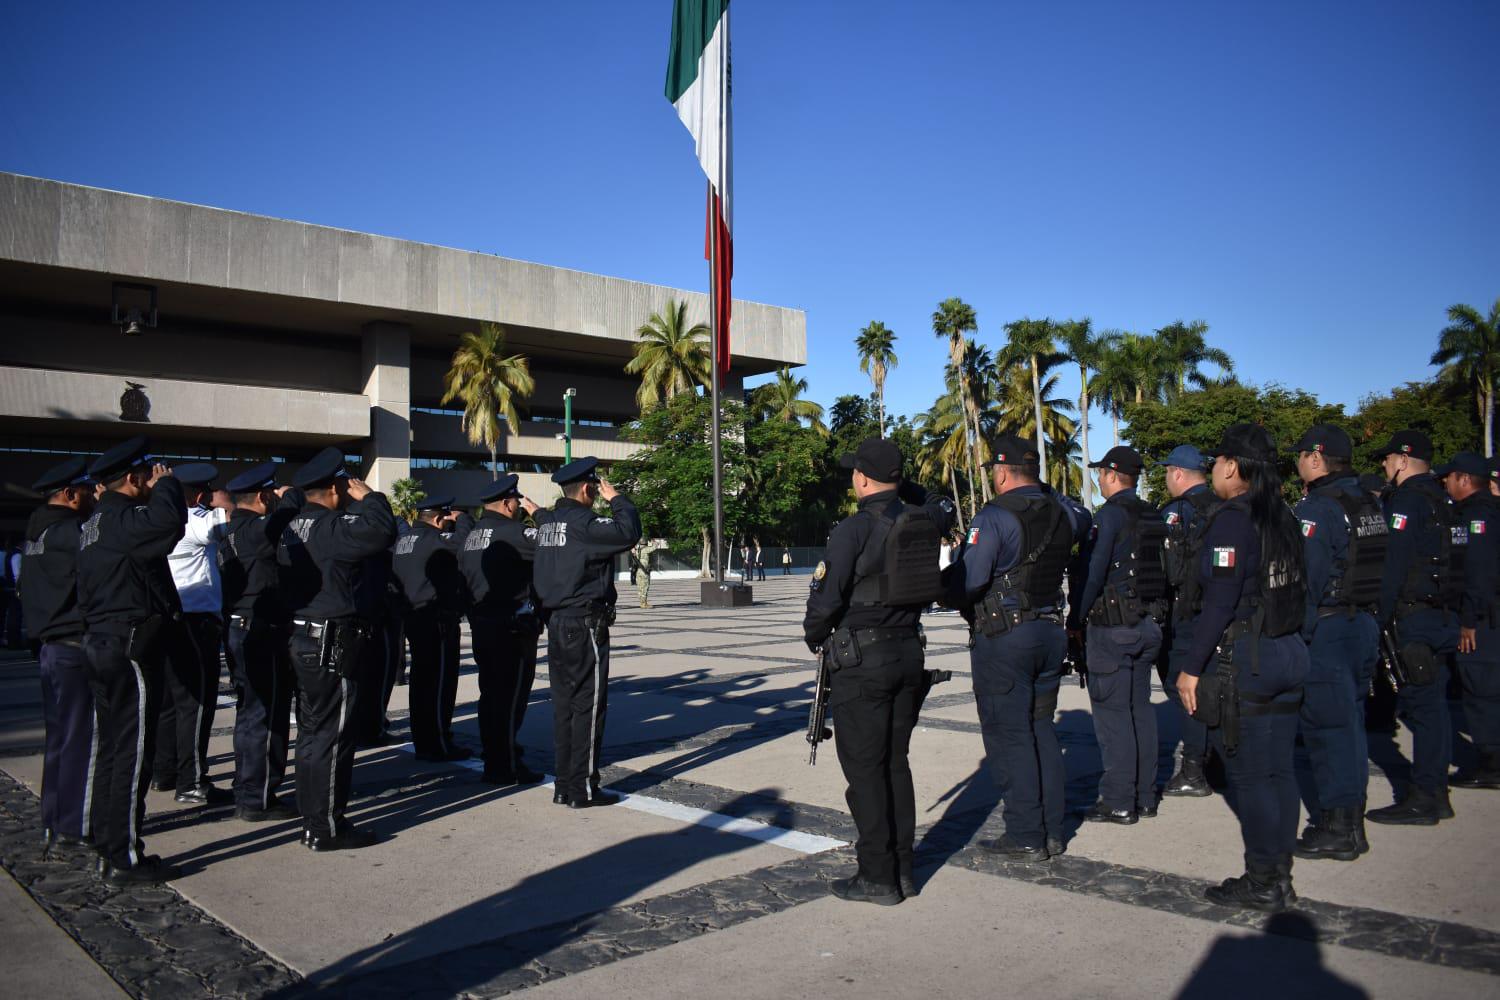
column 813, row 646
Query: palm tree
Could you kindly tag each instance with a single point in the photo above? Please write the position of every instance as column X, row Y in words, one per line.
column 1142, row 359
column 1469, row 347
column 489, row 383
column 1183, row 349
column 1030, row 339
column 980, row 375
column 944, row 435
column 877, row 356
column 1068, row 475
column 1015, row 410
column 782, row 400
column 1113, row 384
column 670, row 356
column 1086, row 350
column 952, row 319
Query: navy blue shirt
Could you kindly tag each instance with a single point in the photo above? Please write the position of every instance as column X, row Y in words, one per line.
column 995, row 543
column 1228, row 569
column 1107, row 550
column 1325, row 537
column 1481, row 512
column 1414, row 535
column 1181, row 510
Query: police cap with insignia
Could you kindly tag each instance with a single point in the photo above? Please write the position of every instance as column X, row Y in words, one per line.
column 262, row 477
column 1326, row 439
column 73, row 472
column 576, row 471
column 444, row 504
column 324, row 467
column 196, row 473
column 1466, row 462
column 120, row 459
column 1250, row 441
column 1408, row 442
column 1013, row 450
column 501, row 489
column 1121, row 459
column 1495, row 468
column 1184, row 456
column 877, row 458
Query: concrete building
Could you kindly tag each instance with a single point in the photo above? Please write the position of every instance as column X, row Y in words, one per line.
column 274, row 339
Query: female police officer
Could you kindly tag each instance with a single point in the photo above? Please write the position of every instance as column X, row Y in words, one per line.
column 1246, row 664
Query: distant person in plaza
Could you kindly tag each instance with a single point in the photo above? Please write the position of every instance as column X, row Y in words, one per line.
column 865, row 617
column 760, row 562
column 786, row 562
column 49, row 582
column 575, row 581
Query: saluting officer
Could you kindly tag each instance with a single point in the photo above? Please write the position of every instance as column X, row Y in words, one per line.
column 1122, row 601
column 1011, row 573
column 1344, row 536
column 575, row 581
column 128, row 602
column 427, row 567
column 1419, row 598
column 259, row 660
column 879, row 684
column 190, row 694
column 496, row 559
column 49, row 601
column 322, row 555
column 1467, row 479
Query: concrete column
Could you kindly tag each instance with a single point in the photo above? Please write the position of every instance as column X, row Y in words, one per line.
column 386, row 353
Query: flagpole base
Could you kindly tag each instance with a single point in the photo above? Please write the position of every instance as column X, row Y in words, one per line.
column 724, row 595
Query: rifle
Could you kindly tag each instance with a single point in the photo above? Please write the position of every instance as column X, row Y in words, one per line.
column 1076, row 659
column 817, row 715
column 1391, row 660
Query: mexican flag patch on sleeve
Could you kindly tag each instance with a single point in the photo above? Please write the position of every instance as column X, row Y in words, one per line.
column 973, row 535
column 1476, row 527
column 1222, row 561
column 1398, row 522
column 1309, row 528
column 1173, row 517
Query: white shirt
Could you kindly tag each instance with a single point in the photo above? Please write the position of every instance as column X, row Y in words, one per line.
column 195, row 561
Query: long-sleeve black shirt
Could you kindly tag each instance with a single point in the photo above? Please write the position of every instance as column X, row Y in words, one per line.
column 496, row 560
column 426, row 565
column 49, row 574
column 123, row 576
column 322, row 555
column 574, row 566
column 250, row 575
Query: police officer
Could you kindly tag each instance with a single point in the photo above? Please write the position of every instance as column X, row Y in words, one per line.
column 857, row 606
column 1185, row 515
column 1011, row 573
column 1122, row 601
column 49, row 600
column 190, row 694
column 1467, row 478
column 258, row 621
column 427, row 567
column 322, row 554
column 496, row 560
column 1419, row 598
column 128, row 602
column 1244, row 669
column 575, row 581
column 1344, row 539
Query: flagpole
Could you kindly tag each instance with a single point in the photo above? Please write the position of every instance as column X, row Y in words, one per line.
column 713, row 323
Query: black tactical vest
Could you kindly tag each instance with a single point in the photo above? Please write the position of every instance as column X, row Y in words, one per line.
column 1437, row 577
column 1281, row 598
column 1046, row 547
column 899, row 565
column 1184, row 539
column 1356, row 581
column 1145, row 547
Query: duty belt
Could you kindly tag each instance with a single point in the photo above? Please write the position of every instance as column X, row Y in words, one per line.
column 871, row 636
column 247, row 622
column 315, row 629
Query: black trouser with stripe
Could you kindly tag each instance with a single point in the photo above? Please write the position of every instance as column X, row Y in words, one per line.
column 260, row 666
column 68, row 710
column 325, row 733
column 505, row 652
column 127, row 700
column 578, row 668
column 190, row 696
column 433, row 637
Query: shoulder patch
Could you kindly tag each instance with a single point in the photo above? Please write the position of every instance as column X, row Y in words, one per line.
column 1398, row 522
column 1309, row 528
column 973, row 536
column 818, row 574
column 604, row 520
column 1222, row 561
column 529, row 532
column 1175, row 518
column 1476, row 527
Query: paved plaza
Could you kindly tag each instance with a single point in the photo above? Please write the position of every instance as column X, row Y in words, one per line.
column 711, row 877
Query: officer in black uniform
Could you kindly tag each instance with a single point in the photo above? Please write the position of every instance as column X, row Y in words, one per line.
column 258, row 622
column 322, row 555
column 1010, row 575
column 1467, row 479
column 1123, row 600
column 128, row 602
column 1345, row 537
column 427, row 566
column 575, row 581
column 496, row 560
column 1419, row 598
column 1187, row 512
column 49, row 600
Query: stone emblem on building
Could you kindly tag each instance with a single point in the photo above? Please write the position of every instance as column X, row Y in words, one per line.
column 134, row 404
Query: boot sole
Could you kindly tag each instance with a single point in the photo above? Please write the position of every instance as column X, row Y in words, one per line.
column 1188, row 793
column 1307, row 855
column 1405, row 821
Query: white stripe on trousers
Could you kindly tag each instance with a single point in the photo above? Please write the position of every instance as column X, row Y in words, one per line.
column 588, row 779
column 265, row 791
column 88, row 782
column 200, row 779
column 333, row 760
column 140, row 755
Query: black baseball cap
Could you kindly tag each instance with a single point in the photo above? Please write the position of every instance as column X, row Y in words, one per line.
column 1326, row 439
column 1121, row 459
column 1468, row 462
column 1407, row 442
column 877, row 458
column 1250, row 441
column 1011, row 449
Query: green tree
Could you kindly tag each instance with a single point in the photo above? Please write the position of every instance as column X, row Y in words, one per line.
column 944, row 449
column 1030, row 341
column 1014, row 408
column 877, row 356
column 784, row 464
column 405, row 495
column 1087, row 350
column 489, row 382
column 782, row 400
column 1439, row 408
column 1183, row 347
column 670, row 357
column 954, row 318
column 1469, row 347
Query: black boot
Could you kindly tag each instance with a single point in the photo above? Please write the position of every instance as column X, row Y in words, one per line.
column 1417, row 808
column 1360, row 840
column 1189, row 780
column 1284, row 879
column 1486, row 774
column 1332, row 837
column 1262, row 891
column 1444, row 804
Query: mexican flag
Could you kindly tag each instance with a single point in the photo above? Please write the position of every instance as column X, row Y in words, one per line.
column 698, row 87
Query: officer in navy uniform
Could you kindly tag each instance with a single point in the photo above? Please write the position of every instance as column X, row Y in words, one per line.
column 1345, row 538
column 575, row 581
column 1247, row 661
column 1467, row 480
column 496, row 559
column 874, row 701
column 49, row 600
column 1122, row 600
column 322, row 554
column 427, row 567
column 1192, row 502
column 128, row 602
column 1010, row 574
column 190, row 694
column 1419, row 597
column 258, row 623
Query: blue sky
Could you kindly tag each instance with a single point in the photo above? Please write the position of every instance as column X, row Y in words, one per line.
column 1316, row 181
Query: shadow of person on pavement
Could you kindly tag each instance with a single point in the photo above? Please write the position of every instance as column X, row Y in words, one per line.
column 1240, row 966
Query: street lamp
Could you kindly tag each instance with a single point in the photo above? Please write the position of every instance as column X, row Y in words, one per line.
column 568, row 395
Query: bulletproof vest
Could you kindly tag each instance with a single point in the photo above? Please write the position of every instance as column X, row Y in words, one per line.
column 1046, row 546
column 899, row 565
column 1356, row 582
column 1185, row 537
column 1145, row 550
column 1437, row 576
column 1281, row 597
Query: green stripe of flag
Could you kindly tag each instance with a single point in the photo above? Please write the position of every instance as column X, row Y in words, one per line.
column 693, row 24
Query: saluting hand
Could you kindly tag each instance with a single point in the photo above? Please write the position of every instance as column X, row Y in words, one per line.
column 606, row 490
column 157, row 471
column 1187, row 689
column 528, row 506
column 357, row 489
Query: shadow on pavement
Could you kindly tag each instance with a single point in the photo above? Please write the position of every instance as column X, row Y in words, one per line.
column 1238, row 966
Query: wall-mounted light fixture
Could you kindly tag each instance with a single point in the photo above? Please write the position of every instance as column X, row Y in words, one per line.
column 133, row 307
